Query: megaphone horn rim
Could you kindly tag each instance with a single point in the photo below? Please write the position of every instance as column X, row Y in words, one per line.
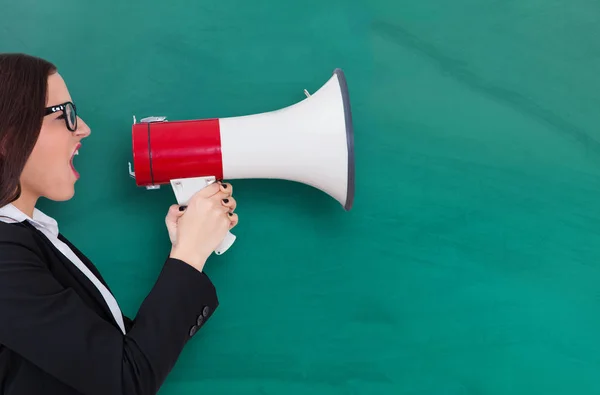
column 349, row 138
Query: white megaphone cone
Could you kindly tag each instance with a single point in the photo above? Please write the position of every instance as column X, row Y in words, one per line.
column 311, row 142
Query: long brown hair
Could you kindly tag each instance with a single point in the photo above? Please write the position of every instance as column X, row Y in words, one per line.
column 23, row 95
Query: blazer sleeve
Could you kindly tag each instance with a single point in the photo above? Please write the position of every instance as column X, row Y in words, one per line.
column 50, row 326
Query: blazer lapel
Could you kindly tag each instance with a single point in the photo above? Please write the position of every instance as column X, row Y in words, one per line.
column 89, row 287
column 85, row 261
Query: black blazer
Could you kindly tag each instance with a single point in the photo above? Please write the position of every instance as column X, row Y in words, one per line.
column 58, row 336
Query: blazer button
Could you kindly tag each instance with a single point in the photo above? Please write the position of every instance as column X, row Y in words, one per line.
column 200, row 320
column 193, row 330
column 205, row 311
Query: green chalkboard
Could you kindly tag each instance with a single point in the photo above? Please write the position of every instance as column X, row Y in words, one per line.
column 469, row 263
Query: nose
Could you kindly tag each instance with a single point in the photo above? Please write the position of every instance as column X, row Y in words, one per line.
column 83, row 130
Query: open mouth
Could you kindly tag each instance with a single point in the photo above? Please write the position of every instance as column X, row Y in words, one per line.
column 76, row 152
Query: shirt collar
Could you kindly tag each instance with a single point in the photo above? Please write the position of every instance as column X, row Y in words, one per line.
column 39, row 220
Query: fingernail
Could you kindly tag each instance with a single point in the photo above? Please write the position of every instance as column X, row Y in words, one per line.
column 181, row 208
column 225, row 200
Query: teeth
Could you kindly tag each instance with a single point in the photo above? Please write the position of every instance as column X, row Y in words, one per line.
column 77, row 152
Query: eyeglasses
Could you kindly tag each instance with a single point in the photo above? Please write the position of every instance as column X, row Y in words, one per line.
column 69, row 112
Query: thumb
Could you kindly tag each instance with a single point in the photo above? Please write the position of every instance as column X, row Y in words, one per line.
column 175, row 211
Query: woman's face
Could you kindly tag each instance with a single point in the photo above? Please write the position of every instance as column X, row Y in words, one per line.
column 49, row 171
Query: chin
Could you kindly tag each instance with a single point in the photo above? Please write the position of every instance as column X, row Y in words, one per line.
column 61, row 195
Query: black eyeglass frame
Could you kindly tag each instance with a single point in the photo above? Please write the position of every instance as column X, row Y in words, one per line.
column 63, row 107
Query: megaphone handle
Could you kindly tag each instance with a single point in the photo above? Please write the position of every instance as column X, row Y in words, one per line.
column 184, row 188
column 225, row 244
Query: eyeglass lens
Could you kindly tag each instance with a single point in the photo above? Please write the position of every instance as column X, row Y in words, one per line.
column 71, row 116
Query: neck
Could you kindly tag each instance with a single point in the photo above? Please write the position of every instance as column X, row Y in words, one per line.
column 26, row 203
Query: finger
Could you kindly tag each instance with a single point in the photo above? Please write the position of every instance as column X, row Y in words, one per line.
column 175, row 211
column 217, row 202
column 229, row 202
column 208, row 191
column 233, row 219
column 220, row 196
column 226, row 187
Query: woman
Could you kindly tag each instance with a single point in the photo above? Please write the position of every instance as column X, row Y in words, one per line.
column 61, row 330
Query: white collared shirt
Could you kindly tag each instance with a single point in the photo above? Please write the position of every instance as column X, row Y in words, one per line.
column 49, row 227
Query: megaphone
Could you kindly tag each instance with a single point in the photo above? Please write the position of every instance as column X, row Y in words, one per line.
column 311, row 142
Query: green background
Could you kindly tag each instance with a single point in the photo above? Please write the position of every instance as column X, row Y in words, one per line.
column 469, row 263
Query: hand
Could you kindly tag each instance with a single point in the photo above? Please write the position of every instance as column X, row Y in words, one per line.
column 176, row 211
column 197, row 231
column 171, row 220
